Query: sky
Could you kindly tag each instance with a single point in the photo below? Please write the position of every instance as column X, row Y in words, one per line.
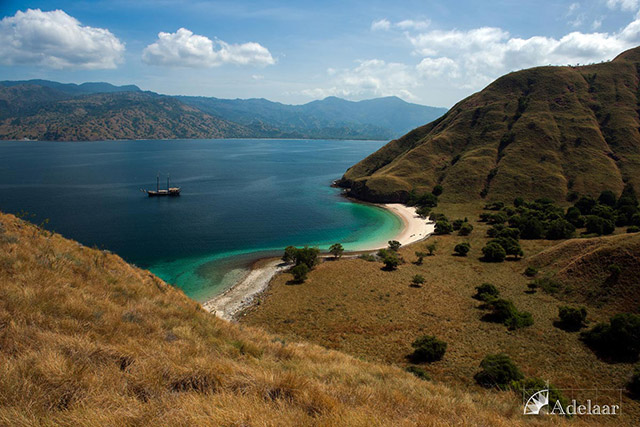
column 428, row 52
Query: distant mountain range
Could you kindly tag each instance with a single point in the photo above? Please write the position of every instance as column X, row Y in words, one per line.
column 541, row 132
column 47, row 110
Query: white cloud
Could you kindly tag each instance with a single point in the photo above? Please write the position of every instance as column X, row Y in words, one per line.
column 626, row 5
column 573, row 7
column 381, row 24
column 56, row 40
column 370, row 78
column 597, row 23
column 185, row 49
column 438, row 67
column 407, row 24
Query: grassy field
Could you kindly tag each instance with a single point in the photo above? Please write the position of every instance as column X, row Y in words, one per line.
column 354, row 306
column 89, row 340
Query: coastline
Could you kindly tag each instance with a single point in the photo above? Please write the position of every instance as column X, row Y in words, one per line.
column 242, row 294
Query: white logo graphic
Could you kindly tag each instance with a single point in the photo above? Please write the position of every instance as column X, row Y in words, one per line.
column 536, row 402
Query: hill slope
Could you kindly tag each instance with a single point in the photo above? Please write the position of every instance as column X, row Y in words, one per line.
column 86, row 339
column 582, row 266
column 539, row 132
column 43, row 113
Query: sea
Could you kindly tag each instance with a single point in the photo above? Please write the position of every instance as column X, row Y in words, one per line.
column 241, row 200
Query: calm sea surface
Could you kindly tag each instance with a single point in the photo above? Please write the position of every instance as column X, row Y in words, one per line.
column 241, row 199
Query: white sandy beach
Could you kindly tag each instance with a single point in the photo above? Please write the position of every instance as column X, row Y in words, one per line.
column 241, row 295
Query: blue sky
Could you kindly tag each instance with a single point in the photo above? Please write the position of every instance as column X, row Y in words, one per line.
column 428, row 52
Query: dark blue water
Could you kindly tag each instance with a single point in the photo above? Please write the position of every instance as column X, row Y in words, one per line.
column 240, row 199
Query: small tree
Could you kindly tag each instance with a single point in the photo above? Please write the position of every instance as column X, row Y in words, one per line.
column 530, row 271
column 571, row 319
column 423, row 212
column 443, row 227
column 289, row 254
column 560, row 229
column 498, row 371
column 486, row 292
column 493, row 252
column 465, row 229
column 300, row 272
column 336, row 250
column 417, row 281
column 462, row 249
column 420, row 256
column 427, row 349
column 619, row 339
column 634, row 383
column 437, row 190
column 431, row 247
column 394, row 245
column 389, row 258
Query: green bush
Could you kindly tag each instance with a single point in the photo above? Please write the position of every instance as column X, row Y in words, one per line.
column 418, row 372
column 510, row 246
column 574, row 216
column 367, row 257
column 420, row 256
column 571, row 319
column 306, row 255
column 462, row 249
column 336, row 250
column 427, row 349
column 431, row 247
column 465, row 229
column 505, row 312
column 493, row 252
column 634, row 383
column 486, row 292
column 417, row 281
column 300, row 272
column 617, row 340
column 394, row 245
column 423, row 212
column 389, row 258
column 498, row 371
column 443, row 227
column 457, row 223
column 548, row 285
column 530, row 271
column 437, row 190
column 560, row 229
column 633, row 229
column 607, row 198
column 598, row 225
column 531, row 228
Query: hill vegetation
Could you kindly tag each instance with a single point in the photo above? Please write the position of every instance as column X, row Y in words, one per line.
column 542, row 132
column 86, row 339
column 47, row 110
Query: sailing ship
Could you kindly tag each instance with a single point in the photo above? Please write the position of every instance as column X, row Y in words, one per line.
column 170, row 191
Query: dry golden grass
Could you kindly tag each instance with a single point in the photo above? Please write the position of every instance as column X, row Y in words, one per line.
column 88, row 340
column 353, row 306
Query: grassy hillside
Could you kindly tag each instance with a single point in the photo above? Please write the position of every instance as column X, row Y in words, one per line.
column 583, row 266
column 43, row 113
column 86, row 339
column 356, row 306
column 540, row 132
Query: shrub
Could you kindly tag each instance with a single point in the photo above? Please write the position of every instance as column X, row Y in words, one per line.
column 437, row 190
column 510, row 246
column 495, row 206
column 505, row 312
column 607, row 198
column 598, row 225
column 498, row 371
column 433, row 216
column 571, row 319
column 417, row 280
column 394, row 245
column 614, row 272
column 493, row 252
column 486, row 292
column 618, row 340
column 462, row 249
column 457, row 223
column 431, row 247
column 427, row 349
column 336, row 250
column 465, row 229
column 574, row 216
column 418, row 372
column 518, row 201
column 443, row 227
column 367, row 257
column 306, row 255
column 497, row 218
column 531, row 228
column 530, row 271
column 425, row 200
column 633, row 229
column 634, row 383
column 508, row 232
column 389, row 258
column 289, row 254
column 560, row 229
column 548, row 285
column 420, row 256
column 300, row 272
column 423, row 212
column 585, row 204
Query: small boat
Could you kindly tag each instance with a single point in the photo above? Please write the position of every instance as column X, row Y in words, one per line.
column 170, row 191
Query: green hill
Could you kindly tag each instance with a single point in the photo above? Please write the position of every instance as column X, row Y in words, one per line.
column 541, row 132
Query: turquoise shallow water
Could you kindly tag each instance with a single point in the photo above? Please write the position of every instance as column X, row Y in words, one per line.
column 241, row 200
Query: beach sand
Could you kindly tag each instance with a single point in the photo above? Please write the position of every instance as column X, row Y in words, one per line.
column 241, row 295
